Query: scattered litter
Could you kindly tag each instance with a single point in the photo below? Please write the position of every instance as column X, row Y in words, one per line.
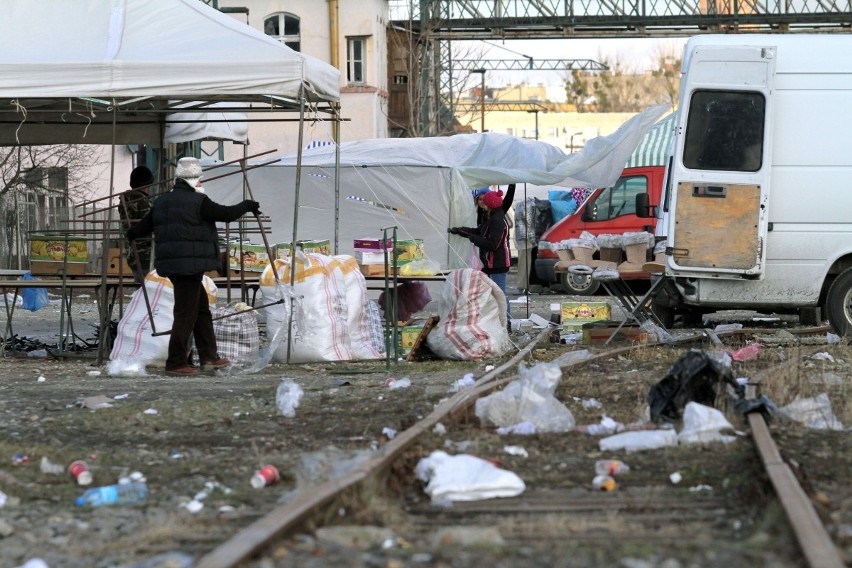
column 747, row 353
column 126, row 368
column 814, row 413
column 3, row 498
column 604, row 483
column 516, row 451
column 636, row 441
column 41, row 379
column 742, row 381
column 96, row 402
column 822, row 356
column 265, row 476
column 194, row 506
column 466, row 478
column 519, row 300
column 464, row 382
column 572, row 357
column 591, row 404
column 394, row 384
column 520, row 429
column 49, row 467
column 528, row 399
column 39, row 353
column 699, row 488
column 340, row 383
column 439, row 429
column 94, row 373
column 34, row 563
column 652, row 329
column 175, row 454
column 151, row 411
column 606, row 427
column 832, row 338
column 539, row 322
column 489, row 368
column 287, row 397
column 675, row 478
column 327, row 464
column 695, row 377
column 389, row 432
column 612, row 468
column 573, row 338
column 20, row 459
column 120, row 396
column 722, row 327
column 704, row 424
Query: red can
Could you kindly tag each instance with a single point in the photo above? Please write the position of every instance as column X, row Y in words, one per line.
column 267, row 475
column 79, row 470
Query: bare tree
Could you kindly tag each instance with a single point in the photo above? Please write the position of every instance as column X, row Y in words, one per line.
column 668, row 70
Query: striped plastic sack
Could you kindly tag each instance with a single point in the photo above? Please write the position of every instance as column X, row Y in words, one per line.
column 472, row 311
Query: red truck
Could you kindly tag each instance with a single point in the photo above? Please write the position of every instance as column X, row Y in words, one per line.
column 610, row 210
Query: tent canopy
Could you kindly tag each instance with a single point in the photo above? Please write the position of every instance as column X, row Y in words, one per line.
column 653, row 150
column 67, row 69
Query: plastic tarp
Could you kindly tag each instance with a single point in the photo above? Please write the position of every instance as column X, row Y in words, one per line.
column 420, row 185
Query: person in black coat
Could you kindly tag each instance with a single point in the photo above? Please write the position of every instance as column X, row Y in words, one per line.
column 491, row 237
column 186, row 245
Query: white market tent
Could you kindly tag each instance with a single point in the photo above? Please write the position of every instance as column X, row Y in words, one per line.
column 420, row 185
column 68, row 70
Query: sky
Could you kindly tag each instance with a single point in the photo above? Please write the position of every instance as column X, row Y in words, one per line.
column 634, row 54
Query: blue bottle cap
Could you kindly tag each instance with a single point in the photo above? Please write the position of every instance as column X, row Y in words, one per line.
column 80, row 501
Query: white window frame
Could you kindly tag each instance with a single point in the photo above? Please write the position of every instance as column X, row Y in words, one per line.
column 293, row 41
column 356, row 68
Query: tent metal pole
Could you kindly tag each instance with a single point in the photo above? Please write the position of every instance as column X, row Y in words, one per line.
column 336, row 137
column 296, row 215
column 103, row 306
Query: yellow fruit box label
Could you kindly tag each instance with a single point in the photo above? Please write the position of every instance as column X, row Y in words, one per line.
column 575, row 314
column 57, row 248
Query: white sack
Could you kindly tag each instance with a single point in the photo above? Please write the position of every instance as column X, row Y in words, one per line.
column 134, row 342
column 814, row 412
column 472, row 324
column 319, row 331
column 466, row 478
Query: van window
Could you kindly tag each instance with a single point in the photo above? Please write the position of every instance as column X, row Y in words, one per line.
column 619, row 199
column 724, row 131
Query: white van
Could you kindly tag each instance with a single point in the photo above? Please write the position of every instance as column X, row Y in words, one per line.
column 759, row 188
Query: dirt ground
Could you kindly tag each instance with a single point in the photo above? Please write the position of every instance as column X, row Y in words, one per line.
column 198, row 440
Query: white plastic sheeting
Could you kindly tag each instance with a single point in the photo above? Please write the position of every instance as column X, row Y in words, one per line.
column 420, row 185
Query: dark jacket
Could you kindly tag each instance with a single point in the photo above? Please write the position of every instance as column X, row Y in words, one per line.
column 492, row 239
column 184, row 226
column 507, row 204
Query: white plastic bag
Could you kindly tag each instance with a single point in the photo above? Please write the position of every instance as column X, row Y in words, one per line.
column 466, row 478
column 702, row 424
column 528, row 399
column 287, row 397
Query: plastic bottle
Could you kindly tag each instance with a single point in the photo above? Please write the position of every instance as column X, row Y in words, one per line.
column 79, row 470
column 119, row 494
column 611, row 467
column 267, row 475
column 604, row 483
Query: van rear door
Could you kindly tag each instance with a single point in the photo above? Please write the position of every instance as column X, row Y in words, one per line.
column 722, row 163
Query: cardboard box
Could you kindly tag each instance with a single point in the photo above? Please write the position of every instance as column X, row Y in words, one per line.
column 368, row 244
column 373, row 257
column 408, row 336
column 255, row 257
column 373, row 269
column 55, row 249
column 601, row 331
column 117, row 262
column 575, row 314
column 315, row 247
column 54, row 268
column 409, row 250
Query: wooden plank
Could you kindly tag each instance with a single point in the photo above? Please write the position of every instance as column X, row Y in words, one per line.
column 717, row 232
column 427, row 327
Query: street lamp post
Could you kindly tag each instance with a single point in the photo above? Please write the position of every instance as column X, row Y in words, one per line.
column 481, row 99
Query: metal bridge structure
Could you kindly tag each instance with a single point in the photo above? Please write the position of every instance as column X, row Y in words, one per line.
column 434, row 24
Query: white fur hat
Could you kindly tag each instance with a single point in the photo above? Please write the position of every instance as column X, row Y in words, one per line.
column 188, row 169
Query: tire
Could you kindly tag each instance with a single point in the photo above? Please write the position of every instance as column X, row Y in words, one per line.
column 579, row 284
column 838, row 303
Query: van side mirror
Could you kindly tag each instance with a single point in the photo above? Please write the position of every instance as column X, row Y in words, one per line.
column 643, row 207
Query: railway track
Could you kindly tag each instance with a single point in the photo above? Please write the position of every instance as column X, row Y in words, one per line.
column 717, row 516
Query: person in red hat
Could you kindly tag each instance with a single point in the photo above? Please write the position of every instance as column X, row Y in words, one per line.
column 491, row 237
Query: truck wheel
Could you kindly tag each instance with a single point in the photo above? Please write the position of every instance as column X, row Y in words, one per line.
column 838, row 303
column 579, row 284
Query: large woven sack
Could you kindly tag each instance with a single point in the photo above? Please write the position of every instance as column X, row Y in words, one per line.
column 472, row 311
column 134, row 342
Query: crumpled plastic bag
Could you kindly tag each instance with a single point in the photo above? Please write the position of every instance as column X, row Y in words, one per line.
column 814, row 413
column 640, row 440
column 703, row 424
column 411, row 297
column 528, row 399
column 695, row 377
column 465, row 478
column 424, row 267
column 33, row 299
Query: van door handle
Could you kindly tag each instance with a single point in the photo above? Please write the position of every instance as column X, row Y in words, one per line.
column 709, row 191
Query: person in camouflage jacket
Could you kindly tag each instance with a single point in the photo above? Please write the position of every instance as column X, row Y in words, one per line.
column 135, row 204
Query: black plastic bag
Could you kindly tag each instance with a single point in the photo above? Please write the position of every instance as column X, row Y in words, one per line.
column 695, row 377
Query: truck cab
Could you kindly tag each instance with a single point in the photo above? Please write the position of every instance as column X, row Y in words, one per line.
column 609, row 210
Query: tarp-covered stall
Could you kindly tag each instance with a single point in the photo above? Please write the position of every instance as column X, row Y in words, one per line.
column 420, row 185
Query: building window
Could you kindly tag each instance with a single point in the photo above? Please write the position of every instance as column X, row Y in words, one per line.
column 356, row 60
column 400, row 79
column 284, row 27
